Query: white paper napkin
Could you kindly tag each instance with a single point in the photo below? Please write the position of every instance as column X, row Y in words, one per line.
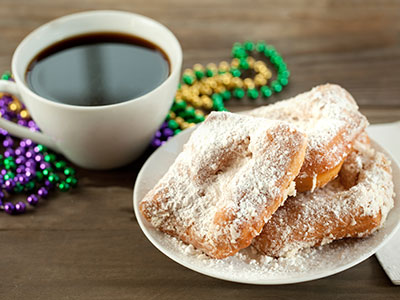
column 388, row 135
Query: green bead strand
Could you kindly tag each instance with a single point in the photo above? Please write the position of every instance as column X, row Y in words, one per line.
column 71, row 181
column 188, row 79
column 226, row 95
column 7, row 177
column 198, row 119
column 238, row 93
column 179, row 105
column 69, row 171
column 10, row 166
column 173, row 124
column 18, row 188
column 39, row 176
column 29, row 186
column 265, row 91
column 50, row 157
column 51, row 178
column 199, row 74
column 209, row 73
column 46, row 172
column 283, row 81
column 252, row 93
column 63, row 186
column 235, row 72
column 249, row 46
column 260, row 46
column 60, row 165
column 243, row 64
column 276, row 86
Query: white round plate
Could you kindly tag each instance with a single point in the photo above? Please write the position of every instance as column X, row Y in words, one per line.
column 248, row 266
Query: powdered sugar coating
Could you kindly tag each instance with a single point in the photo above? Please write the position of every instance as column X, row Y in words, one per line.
column 215, row 196
column 334, row 211
column 329, row 116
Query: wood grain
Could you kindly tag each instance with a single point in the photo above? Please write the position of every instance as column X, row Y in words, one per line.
column 87, row 244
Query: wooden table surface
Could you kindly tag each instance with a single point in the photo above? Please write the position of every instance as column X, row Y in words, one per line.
column 86, row 244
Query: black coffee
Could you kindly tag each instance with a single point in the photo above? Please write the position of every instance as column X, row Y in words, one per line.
column 97, row 69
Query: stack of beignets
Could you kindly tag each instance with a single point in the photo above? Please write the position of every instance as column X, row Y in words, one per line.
column 227, row 188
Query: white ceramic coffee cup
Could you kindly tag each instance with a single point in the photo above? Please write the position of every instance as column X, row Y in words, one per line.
column 94, row 137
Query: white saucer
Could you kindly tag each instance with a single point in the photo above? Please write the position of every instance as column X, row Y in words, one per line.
column 247, row 266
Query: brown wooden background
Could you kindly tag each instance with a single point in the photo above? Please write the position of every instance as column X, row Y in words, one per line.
column 87, row 245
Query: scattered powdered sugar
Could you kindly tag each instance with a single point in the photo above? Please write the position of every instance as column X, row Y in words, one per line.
column 329, row 116
column 250, row 266
column 231, row 176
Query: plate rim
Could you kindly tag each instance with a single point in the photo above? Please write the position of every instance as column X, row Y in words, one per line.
column 279, row 281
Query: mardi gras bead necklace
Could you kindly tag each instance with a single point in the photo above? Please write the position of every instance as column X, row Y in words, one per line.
column 204, row 89
column 25, row 167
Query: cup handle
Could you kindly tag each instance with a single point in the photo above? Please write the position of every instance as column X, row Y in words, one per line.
column 10, row 87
